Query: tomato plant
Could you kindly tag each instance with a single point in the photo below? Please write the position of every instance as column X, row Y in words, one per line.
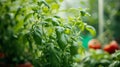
column 32, row 31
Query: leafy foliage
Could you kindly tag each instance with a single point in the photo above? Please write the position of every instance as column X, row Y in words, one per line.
column 32, row 31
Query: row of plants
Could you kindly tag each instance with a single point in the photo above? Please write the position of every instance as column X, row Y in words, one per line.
column 99, row 55
column 33, row 35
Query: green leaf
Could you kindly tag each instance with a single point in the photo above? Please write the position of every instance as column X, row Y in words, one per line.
column 37, row 36
column 46, row 4
column 115, row 64
column 29, row 38
column 116, row 55
column 49, row 1
column 82, row 13
column 55, row 22
column 28, row 16
column 82, row 26
column 105, row 62
column 18, row 11
column 55, row 6
column 91, row 30
column 53, row 56
column 45, row 9
column 40, row 3
column 74, row 48
column 61, row 0
column 61, row 39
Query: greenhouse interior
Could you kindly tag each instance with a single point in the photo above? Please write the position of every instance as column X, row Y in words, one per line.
column 59, row 33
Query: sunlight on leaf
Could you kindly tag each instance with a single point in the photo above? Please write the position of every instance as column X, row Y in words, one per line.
column 91, row 30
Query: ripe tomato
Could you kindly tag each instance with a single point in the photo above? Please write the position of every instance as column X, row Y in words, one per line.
column 111, row 47
column 107, row 48
column 2, row 55
column 94, row 44
column 114, row 45
column 27, row 64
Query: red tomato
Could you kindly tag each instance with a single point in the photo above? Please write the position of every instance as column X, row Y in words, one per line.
column 107, row 48
column 111, row 47
column 2, row 55
column 27, row 64
column 114, row 45
column 94, row 44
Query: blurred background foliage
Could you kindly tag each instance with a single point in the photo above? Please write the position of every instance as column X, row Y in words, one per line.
column 111, row 18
